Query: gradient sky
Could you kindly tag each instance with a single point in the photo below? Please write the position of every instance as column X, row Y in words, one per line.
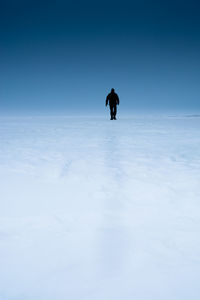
column 63, row 56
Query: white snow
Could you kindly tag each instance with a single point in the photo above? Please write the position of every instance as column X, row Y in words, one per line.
column 99, row 210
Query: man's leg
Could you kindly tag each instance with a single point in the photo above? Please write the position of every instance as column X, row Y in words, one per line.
column 111, row 112
column 115, row 111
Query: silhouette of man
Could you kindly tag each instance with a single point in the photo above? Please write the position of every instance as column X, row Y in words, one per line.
column 113, row 100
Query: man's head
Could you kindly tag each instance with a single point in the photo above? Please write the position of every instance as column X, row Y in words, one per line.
column 112, row 90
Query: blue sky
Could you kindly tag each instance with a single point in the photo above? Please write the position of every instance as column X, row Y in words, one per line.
column 64, row 56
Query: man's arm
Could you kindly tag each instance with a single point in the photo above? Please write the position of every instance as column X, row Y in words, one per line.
column 107, row 100
column 117, row 98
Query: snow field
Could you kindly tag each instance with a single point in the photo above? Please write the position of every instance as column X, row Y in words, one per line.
column 94, row 209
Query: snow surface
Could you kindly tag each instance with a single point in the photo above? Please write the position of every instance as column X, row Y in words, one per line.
column 98, row 209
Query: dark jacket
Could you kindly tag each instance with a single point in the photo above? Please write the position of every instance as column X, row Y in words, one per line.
column 113, row 99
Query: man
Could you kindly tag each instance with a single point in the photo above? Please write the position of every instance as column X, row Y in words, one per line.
column 113, row 100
